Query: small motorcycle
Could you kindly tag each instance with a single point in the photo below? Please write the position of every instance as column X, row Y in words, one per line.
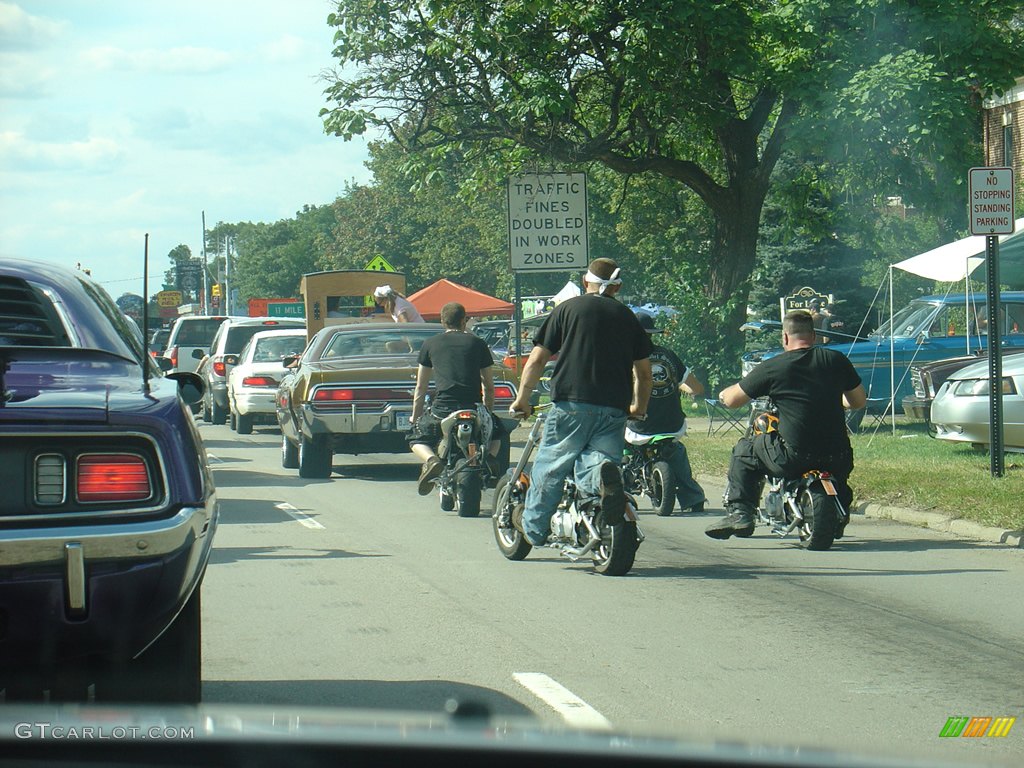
column 465, row 435
column 577, row 527
column 646, row 471
column 811, row 505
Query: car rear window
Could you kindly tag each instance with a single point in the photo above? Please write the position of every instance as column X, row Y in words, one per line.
column 380, row 342
column 239, row 335
column 28, row 318
column 274, row 349
column 196, row 333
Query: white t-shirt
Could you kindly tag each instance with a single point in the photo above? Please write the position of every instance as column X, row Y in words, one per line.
column 404, row 306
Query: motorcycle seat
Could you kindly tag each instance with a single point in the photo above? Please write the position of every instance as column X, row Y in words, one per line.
column 636, row 438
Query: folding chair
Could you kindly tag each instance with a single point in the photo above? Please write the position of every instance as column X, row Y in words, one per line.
column 722, row 418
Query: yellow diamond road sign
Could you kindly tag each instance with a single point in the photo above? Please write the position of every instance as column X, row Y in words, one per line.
column 379, row 264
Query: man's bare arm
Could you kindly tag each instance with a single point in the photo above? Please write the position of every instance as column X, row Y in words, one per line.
column 733, row 397
column 643, row 382
column 856, row 398
column 487, row 376
column 420, row 393
column 532, row 372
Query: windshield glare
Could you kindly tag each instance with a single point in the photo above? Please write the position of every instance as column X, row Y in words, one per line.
column 910, row 321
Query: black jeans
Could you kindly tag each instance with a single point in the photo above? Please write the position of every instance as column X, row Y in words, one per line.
column 767, row 454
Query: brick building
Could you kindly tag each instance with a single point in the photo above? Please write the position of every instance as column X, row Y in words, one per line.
column 1003, row 124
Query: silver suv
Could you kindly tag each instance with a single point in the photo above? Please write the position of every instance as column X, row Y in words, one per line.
column 233, row 334
column 189, row 334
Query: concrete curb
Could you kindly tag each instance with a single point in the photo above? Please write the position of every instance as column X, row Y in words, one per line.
column 939, row 522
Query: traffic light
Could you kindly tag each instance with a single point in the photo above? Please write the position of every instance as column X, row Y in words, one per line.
column 215, row 290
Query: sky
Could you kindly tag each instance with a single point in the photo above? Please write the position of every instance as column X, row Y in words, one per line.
column 125, row 117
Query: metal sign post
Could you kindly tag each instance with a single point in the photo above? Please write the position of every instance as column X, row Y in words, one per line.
column 990, row 207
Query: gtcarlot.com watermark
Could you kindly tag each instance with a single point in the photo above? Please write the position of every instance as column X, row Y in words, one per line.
column 101, row 732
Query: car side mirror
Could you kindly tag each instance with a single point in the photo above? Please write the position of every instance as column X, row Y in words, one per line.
column 163, row 364
column 230, row 359
column 190, row 386
column 198, row 354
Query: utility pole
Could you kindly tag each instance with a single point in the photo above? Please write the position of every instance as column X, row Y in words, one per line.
column 203, row 304
column 227, row 276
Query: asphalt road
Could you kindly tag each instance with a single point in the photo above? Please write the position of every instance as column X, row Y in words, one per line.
column 357, row 592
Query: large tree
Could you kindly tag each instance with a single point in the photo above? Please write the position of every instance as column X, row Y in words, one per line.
column 704, row 94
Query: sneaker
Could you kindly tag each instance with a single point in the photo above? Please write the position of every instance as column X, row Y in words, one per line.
column 613, row 498
column 432, row 468
column 517, row 523
column 737, row 523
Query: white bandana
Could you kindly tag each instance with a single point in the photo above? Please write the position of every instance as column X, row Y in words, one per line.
column 590, row 277
column 382, row 290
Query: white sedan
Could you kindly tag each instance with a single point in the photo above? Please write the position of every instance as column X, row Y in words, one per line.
column 252, row 382
column 960, row 409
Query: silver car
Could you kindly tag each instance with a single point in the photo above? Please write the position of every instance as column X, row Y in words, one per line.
column 960, row 411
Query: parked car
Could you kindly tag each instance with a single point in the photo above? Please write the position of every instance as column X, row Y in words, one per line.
column 351, row 392
column 927, row 378
column 216, row 361
column 189, row 334
column 109, row 506
column 253, row 382
column 960, row 411
column 927, row 329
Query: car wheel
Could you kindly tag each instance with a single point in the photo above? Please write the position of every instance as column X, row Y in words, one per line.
column 289, row 453
column 169, row 671
column 315, row 457
column 243, row 423
column 218, row 414
column 232, row 420
column 207, row 417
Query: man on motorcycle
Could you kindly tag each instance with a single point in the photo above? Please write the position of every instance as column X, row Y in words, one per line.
column 602, row 350
column 810, row 385
column 665, row 415
column 461, row 363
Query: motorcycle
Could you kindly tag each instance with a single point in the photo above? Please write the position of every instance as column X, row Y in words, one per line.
column 465, row 436
column 646, row 471
column 810, row 505
column 577, row 527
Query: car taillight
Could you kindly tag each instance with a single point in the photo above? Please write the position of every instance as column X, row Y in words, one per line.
column 258, row 381
column 112, row 477
column 172, row 355
column 333, row 395
column 219, row 367
column 504, row 392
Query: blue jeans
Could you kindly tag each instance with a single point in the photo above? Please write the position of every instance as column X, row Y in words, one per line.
column 688, row 491
column 578, row 438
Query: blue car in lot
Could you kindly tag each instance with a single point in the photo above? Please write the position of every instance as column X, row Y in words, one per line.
column 927, row 329
column 109, row 507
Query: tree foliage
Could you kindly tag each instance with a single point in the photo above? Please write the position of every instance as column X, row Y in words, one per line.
column 703, row 95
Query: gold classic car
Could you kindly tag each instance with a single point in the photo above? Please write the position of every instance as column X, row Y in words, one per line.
column 351, row 392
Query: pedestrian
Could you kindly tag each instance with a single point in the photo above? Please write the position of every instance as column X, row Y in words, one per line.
column 396, row 305
column 833, row 323
column 810, row 385
column 817, row 320
column 602, row 375
column 461, row 365
column 665, row 415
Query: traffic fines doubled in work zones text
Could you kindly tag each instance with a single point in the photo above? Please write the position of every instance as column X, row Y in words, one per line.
column 547, row 222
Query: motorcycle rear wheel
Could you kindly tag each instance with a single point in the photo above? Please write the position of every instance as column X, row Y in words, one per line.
column 617, row 551
column 512, row 543
column 821, row 518
column 662, row 488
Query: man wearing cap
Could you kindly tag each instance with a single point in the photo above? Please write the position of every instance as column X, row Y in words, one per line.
column 602, row 375
column 665, row 416
column 396, row 305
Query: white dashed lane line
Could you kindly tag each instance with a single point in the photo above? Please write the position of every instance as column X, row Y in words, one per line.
column 574, row 710
column 305, row 520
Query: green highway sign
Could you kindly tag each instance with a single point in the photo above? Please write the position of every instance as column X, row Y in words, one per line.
column 286, row 309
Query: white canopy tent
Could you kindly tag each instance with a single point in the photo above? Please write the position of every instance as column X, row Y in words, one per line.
column 948, row 263
column 569, row 290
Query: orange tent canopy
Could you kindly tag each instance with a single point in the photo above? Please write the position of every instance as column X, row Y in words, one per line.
column 429, row 301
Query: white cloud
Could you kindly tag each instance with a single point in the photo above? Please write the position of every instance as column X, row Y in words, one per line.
column 21, row 154
column 286, row 48
column 184, row 60
column 20, row 30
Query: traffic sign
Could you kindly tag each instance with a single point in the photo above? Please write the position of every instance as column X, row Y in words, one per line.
column 286, row 309
column 990, row 204
column 168, row 298
column 547, row 222
column 379, row 264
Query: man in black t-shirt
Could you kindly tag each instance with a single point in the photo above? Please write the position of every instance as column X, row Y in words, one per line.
column 602, row 350
column 810, row 386
column 461, row 364
column 665, row 415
